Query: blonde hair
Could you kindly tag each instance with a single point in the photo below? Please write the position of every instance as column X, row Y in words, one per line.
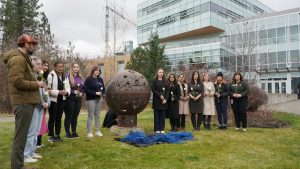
column 71, row 74
column 35, row 59
column 205, row 74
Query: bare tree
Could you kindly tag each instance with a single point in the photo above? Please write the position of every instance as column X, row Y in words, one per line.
column 245, row 36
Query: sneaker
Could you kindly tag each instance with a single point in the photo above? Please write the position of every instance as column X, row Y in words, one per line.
column 36, row 156
column 40, row 146
column 69, row 136
column 75, row 135
column 237, row 129
column 57, row 139
column 157, row 132
column 51, row 139
column 90, row 135
column 30, row 160
column 163, row 132
column 99, row 134
column 244, row 129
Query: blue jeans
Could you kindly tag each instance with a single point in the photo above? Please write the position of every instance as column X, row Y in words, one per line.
column 159, row 120
column 222, row 113
column 33, row 131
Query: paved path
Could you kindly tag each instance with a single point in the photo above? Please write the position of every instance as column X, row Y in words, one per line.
column 10, row 118
column 289, row 107
column 7, row 119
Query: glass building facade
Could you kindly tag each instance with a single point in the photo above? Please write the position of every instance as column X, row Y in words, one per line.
column 191, row 29
column 198, row 32
column 275, row 57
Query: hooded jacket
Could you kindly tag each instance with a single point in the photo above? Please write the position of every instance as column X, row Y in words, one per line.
column 23, row 87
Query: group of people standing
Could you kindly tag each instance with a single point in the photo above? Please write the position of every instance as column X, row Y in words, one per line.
column 200, row 98
column 34, row 90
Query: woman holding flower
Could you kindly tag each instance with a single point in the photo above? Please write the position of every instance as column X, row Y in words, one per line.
column 35, row 125
column 74, row 101
column 160, row 91
column 44, row 128
column 94, row 89
column 209, row 102
column 59, row 89
column 183, row 102
column 174, row 95
column 239, row 94
column 221, row 100
column 195, row 90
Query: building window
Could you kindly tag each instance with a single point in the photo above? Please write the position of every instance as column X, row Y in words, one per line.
column 294, row 55
column 276, row 87
column 271, row 33
column 269, row 87
column 281, row 57
column 121, row 65
column 283, row 87
column 280, row 31
column 294, row 30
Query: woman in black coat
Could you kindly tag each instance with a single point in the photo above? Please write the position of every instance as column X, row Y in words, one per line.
column 160, row 91
column 174, row 95
column 195, row 90
column 239, row 90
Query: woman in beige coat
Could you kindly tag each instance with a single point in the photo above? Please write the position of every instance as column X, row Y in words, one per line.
column 209, row 102
column 183, row 102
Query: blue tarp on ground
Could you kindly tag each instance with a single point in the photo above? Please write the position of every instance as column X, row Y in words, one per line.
column 140, row 139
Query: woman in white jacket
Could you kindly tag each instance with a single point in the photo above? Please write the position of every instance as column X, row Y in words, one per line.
column 58, row 88
column 209, row 101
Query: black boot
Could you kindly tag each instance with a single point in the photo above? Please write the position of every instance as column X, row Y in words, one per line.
column 208, row 126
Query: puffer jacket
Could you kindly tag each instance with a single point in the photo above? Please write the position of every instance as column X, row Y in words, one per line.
column 23, row 87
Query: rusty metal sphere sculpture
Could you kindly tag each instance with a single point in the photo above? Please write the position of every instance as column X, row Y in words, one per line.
column 127, row 94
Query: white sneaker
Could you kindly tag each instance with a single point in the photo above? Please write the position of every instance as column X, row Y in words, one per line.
column 36, row 156
column 157, row 132
column 40, row 146
column 30, row 160
column 163, row 132
column 99, row 134
column 244, row 129
column 237, row 129
column 90, row 135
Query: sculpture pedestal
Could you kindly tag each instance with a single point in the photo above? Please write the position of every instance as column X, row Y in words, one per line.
column 127, row 120
column 122, row 131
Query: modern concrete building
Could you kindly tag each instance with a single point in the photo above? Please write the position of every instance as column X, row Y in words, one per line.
column 198, row 32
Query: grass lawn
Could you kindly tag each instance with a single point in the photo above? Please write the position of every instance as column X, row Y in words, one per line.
column 258, row 148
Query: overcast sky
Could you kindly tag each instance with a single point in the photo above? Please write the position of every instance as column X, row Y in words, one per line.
column 82, row 21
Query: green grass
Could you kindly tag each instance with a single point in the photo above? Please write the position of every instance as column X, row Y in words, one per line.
column 258, row 148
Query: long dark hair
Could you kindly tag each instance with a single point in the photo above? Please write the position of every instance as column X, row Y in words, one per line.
column 175, row 79
column 94, row 69
column 56, row 64
column 46, row 72
column 198, row 80
column 237, row 73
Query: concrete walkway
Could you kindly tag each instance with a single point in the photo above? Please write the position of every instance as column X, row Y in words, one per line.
column 288, row 107
column 7, row 119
